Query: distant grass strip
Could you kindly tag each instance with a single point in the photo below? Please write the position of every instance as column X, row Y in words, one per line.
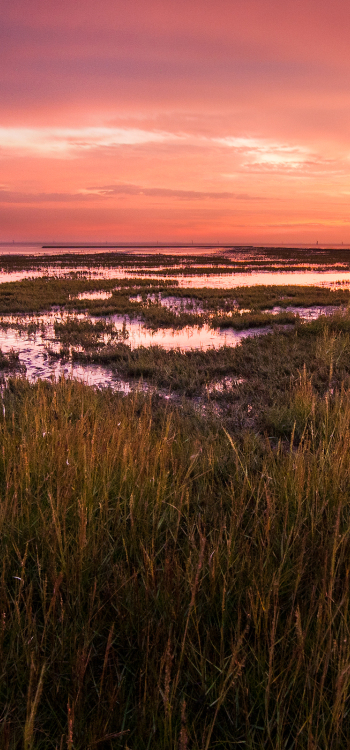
column 236, row 259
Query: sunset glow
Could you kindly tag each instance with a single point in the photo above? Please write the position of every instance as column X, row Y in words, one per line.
column 155, row 120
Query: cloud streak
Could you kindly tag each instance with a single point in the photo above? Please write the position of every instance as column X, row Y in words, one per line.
column 58, row 142
column 158, row 192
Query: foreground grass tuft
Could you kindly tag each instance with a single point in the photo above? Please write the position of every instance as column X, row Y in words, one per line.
column 165, row 583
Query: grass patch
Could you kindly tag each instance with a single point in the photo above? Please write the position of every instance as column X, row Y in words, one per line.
column 44, row 293
column 10, row 361
column 252, row 320
column 260, row 297
column 169, row 580
column 88, row 334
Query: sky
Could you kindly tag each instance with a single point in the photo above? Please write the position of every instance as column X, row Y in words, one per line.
column 175, row 120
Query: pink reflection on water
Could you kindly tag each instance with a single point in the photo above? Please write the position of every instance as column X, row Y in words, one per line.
column 32, row 348
column 232, row 280
column 302, row 278
column 191, row 337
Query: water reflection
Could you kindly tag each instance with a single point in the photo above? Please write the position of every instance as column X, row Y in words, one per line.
column 94, row 295
column 190, row 337
column 225, row 280
column 32, row 347
column 266, row 278
column 32, row 354
column 307, row 313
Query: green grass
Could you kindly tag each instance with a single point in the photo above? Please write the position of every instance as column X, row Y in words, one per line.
column 88, row 334
column 260, row 297
column 44, row 293
column 173, row 581
column 252, row 320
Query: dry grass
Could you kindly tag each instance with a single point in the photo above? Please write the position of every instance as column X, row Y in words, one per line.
column 166, row 584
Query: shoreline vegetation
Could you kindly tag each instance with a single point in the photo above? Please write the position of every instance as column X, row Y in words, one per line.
column 175, row 563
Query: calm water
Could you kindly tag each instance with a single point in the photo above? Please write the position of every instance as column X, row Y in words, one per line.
column 267, row 278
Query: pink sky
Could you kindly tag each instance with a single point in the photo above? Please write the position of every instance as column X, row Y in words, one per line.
column 223, row 120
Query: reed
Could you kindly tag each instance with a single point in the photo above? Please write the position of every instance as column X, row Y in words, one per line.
column 168, row 583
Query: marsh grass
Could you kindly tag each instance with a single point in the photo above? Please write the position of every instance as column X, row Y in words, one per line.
column 143, row 300
column 252, row 320
column 267, row 364
column 10, row 361
column 87, row 333
column 170, row 583
column 44, row 293
column 260, row 297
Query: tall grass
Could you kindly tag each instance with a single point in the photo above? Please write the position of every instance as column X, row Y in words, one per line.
column 165, row 584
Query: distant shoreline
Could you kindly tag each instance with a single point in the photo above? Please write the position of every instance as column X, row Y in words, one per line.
column 143, row 247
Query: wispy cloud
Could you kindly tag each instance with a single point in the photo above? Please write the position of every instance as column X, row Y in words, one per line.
column 263, row 156
column 259, row 151
column 159, row 192
column 63, row 142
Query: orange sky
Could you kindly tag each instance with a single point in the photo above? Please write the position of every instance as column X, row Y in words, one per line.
column 223, row 120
